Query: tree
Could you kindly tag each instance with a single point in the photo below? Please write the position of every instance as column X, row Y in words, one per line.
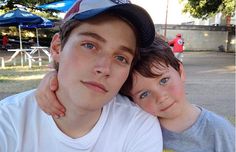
column 207, row 8
column 30, row 5
column 27, row 3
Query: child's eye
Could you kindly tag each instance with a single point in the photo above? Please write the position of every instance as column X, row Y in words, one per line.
column 89, row 45
column 164, row 81
column 144, row 94
column 122, row 59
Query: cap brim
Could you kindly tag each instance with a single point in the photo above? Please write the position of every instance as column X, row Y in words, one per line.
column 136, row 15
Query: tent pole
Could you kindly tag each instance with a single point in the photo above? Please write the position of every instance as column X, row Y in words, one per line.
column 37, row 35
column 22, row 62
column 20, row 36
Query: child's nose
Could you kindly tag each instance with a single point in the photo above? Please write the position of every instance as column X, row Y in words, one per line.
column 161, row 96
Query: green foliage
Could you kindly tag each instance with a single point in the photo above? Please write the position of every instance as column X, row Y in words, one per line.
column 30, row 5
column 27, row 3
column 207, row 8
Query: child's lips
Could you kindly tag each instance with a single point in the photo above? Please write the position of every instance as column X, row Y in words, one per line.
column 98, row 87
column 164, row 109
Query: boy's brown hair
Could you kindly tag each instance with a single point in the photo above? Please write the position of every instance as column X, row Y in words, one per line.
column 67, row 27
column 64, row 32
column 158, row 55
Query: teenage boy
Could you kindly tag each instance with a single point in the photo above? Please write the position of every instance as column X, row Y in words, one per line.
column 93, row 54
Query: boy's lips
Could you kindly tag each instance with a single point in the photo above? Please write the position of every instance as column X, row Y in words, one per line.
column 95, row 86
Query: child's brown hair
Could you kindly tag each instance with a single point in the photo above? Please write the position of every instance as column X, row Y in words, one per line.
column 158, row 55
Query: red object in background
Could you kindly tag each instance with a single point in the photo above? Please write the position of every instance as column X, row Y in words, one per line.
column 4, row 41
column 177, row 44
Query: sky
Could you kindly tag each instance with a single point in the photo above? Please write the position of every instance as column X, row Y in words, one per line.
column 157, row 10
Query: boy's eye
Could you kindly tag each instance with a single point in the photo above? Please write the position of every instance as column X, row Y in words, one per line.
column 88, row 45
column 122, row 59
column 144, row 94
column 164, row 81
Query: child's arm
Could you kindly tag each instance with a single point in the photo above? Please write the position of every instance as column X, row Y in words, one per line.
column 46, row 97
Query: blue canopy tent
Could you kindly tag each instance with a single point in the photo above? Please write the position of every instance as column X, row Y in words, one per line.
column 18, row 18
column 61, row 6
column 46, row 24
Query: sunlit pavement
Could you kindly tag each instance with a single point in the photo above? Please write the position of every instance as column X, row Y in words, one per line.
column 211, row 80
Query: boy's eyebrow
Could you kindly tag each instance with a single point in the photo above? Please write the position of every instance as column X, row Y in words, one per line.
column 94, row 35
column 129, row 50
column 98, row 37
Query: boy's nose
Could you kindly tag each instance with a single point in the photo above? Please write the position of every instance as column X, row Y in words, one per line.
column 103, row 66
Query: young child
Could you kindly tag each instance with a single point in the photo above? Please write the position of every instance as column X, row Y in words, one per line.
column 93, row 53
column 156, row 84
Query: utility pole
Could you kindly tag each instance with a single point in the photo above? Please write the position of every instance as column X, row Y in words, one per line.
column 167, row 3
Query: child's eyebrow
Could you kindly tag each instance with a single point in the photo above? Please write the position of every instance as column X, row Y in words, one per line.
column 137, row 92
column 159, row 77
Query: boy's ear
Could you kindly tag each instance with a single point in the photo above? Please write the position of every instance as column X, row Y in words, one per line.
column 55, row 47
column 182, row 72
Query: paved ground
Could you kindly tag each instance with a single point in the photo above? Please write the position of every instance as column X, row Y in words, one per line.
column 210, row 81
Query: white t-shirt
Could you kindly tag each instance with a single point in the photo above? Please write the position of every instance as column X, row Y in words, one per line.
column 122, row 127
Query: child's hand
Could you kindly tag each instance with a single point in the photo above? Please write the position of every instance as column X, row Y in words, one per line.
column 46, row 97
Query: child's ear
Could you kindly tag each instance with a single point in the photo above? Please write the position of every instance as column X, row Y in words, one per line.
column 55, row 47
column 182, row 72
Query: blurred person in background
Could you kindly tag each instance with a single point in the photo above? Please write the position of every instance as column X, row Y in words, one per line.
column 178, row 46
column 5, row 41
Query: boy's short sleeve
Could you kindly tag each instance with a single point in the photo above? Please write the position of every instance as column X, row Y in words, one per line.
column 145, row 135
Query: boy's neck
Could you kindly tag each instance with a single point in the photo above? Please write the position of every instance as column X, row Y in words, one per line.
column 76, row 125
column 76, row 122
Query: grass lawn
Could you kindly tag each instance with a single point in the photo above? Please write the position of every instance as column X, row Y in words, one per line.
column 14, row 79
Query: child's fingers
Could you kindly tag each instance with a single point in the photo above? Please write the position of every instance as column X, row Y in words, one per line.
column 52, row 108
column 54, row 105
column 43, row 106
column 53, row 81
column 46, row 97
